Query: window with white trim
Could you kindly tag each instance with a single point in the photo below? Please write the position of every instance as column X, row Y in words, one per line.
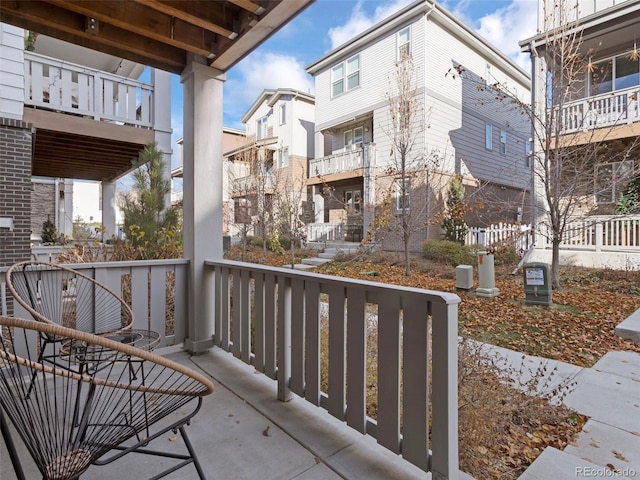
column 403, row 201
column 261, row 128
column 352, row 201
column 403, row 40
column 283, row 113
column 488, row 134
column 610, row 179
column 284, row 157
column 503, row 141
column 345, row 76
column 353, row 139
column 528, row 152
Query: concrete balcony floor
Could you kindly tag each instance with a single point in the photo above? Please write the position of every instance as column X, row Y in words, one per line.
column 244, row 432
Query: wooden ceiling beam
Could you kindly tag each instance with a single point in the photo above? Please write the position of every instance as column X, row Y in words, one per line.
column 250, row 6
column 176, row 9
column 144, row 21
column 69, row 26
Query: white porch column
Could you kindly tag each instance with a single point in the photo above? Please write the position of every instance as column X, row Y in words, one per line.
column 65, row 208
column 202, row 194
column 318, row 202
column 161, row 81
column 108, row 210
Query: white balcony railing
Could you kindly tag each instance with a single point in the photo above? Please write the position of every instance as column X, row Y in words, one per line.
column 606, row 110
column 323, row 232
column 343, row 161
column 250, row 183
column 62, row 86
column 271, row 318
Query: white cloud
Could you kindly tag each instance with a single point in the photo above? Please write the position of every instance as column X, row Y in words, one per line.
column 360, row 21
column 259, row 71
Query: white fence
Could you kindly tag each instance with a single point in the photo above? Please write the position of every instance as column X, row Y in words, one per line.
column 519, row 235
column 598, row 233
column 62, row 86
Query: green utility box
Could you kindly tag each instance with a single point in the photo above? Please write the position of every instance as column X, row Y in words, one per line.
column 537, row 286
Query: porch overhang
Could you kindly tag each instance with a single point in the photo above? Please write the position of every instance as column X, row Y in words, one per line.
column 75, row 147
column 161, row 34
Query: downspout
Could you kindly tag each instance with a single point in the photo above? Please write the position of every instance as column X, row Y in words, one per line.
column 533, row 54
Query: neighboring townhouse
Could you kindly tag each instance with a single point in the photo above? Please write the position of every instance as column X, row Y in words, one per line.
column 273, row 160
column 71, row 105
column 603, row 103
column 232, row 140
column 460, row 128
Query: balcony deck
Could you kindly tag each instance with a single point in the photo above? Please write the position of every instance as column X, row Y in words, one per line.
column 228, row 434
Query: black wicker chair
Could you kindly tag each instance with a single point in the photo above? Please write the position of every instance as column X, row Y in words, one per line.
column 66, row 428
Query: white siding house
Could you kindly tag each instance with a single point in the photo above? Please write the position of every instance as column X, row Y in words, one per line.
column 353, row 139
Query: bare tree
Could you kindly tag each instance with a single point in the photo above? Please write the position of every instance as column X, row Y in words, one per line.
column 250, row 180
column 406, row 122
column 289, row 201
column 573, row 158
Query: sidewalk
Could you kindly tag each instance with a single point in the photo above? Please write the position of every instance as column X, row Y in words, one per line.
column 609, row 444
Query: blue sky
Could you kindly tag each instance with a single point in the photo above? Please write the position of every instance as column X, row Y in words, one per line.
column 280, row 62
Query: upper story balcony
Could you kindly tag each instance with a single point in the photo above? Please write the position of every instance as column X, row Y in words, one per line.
column 607, row 110
column 251, row 183
column 61, row 86
column 347, row 161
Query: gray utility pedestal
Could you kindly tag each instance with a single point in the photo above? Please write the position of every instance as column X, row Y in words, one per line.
column 537, row 287
column 486, row 276
column 464, row 277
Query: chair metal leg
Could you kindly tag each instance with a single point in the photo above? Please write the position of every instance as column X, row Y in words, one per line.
column 11, row 447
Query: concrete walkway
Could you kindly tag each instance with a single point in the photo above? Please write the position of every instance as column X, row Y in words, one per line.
column 609, row 394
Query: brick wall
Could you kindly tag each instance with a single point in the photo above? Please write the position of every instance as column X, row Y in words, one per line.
column 15, row 189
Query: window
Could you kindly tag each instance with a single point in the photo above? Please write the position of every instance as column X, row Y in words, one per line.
column 404, row 43
column 528, row 151
column 488, row 133
column 612, row 74
column 610, row 179
column 261, row 128
column 283, row 113
column 345, row 76
column 403, row 201
column 284, row 157
column 353, row 139
column 503, row 142
column 352, row 201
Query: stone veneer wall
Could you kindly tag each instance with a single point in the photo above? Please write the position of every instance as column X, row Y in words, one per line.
column 15, row 191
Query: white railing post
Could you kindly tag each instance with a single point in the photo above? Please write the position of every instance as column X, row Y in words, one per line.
column 599, row 235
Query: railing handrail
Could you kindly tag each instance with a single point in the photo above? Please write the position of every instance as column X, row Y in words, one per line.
column 434, row 295
column 270, row 318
